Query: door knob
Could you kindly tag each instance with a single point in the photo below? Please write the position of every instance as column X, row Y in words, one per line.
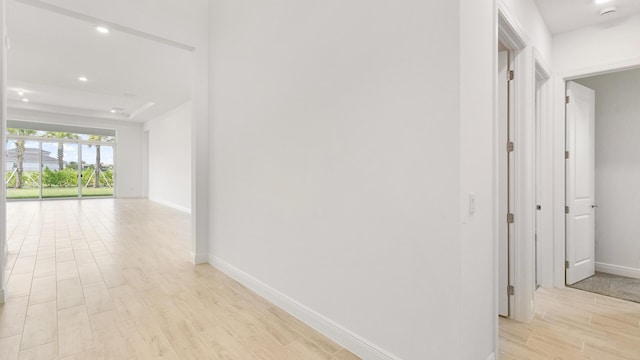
column 594, row 206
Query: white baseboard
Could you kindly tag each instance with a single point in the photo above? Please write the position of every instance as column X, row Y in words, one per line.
column 200, row 258
column 354, row 343
column 172, row 205
column 618, row 270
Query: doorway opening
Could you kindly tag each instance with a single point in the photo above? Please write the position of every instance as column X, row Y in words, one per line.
column 604, row 258
column 580, row 200
column 120, row 79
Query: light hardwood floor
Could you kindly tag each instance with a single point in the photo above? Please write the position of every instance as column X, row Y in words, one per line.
column 573, row 324
column 111, row 279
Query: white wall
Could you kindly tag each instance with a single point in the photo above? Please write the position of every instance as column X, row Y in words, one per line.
column 596, row 48
column 169, row 158
column 336, row 168
column 617, row 172
column 478, row 243
column 128, row 153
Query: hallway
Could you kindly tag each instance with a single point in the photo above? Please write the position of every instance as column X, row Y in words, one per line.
column 112, row 279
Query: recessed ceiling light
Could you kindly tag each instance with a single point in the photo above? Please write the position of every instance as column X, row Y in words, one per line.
column 102, row 29
column 21, row 92
column 25, row 100
column 116, row 110
column 83, row 79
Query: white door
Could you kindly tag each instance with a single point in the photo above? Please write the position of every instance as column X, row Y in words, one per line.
column 504, row 189
column 580, row 183
column 538, row 181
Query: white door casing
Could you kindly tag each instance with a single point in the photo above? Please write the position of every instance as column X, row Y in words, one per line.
column 580, row 165
column 503, row 281
column 538, row 180
column 505, row 184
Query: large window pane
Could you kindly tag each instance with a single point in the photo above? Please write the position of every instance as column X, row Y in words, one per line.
column 23, row 169
column 59, row 169
column 53, row 164
column 97, row 170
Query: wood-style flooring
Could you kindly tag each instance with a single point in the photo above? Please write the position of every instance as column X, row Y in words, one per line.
column 112, row 279
column 574, row 324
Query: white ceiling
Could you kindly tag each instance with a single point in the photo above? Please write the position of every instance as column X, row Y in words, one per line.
column 566, row 15
column 143, row 76
column 49, row 51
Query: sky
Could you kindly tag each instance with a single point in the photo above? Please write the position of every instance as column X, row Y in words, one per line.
column 71, row 151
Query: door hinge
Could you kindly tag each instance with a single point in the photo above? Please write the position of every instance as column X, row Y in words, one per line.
column 566, row 154
column 566, row 264
column 567, row 99
column 510, row 146
column 510, row 75
column 510, row 219
column 566, row 209
column 511, row 290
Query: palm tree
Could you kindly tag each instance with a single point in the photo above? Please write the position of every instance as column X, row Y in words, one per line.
column 97, row 169
column 20, row 152
column 61, row 135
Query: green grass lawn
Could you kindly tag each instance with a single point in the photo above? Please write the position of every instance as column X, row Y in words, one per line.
column 55, row 192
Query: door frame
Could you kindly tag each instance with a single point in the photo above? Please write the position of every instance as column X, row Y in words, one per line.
column 559, row 147
column 505, row 180
column 529, row 65
column 543, row 181
column 512, row 36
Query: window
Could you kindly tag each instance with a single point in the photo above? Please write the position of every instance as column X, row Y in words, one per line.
column 59, row 164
